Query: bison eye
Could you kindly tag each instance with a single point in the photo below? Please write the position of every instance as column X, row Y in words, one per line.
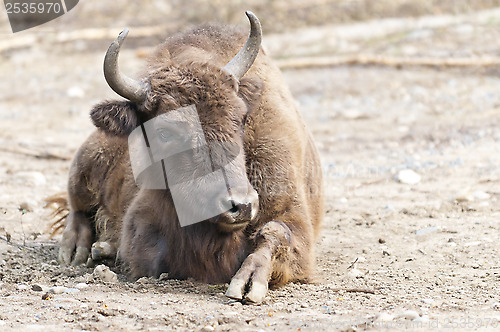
column 164, row 134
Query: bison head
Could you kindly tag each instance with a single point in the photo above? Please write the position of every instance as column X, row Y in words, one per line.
column 189, row 115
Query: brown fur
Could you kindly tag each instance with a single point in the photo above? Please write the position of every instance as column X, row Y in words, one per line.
column 281, row 162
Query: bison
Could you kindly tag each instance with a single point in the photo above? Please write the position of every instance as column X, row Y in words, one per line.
column 271, row 214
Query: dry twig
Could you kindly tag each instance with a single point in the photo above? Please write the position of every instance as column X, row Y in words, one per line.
column 34, row 153
column 353, row 290
column 389, row 61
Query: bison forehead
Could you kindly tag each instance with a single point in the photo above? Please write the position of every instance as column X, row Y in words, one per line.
column 221, row 120
column 195, row 81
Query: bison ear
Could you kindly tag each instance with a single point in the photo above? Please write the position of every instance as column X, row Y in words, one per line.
column 115, row 117
column 250, row 91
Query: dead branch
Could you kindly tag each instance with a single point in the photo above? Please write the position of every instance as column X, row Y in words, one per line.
column 353, row 290
column 359, row 290
column 33, row 153
column 388, row 61
column 352, row 264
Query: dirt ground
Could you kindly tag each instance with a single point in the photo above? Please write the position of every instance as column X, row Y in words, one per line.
column 398, row 250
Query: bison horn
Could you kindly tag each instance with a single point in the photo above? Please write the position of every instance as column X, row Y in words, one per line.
column 123, row 85
column 242, row 62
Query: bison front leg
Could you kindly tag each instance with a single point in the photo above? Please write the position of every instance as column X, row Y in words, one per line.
column 279, row 257
column 76, row 240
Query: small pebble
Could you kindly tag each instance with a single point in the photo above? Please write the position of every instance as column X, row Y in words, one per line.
column 36, row 288
column 25, row 206
column 57, row 290
column 22, row 287
column 408, row 176
column 381, row 241
column 143, row 280
column 163, row 276
column 81, row 285
column 103, row 273
column 101, row 250
column 464, row 196
column 496, row 306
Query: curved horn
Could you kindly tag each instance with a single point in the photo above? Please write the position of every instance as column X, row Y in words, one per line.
column 242, row 62
column 123, row 85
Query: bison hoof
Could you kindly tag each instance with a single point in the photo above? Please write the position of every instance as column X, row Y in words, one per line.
column 65, row 254
column 256, row 294
column 102, row 250
column 251, row 280
column 81, row 255
column 235, row 289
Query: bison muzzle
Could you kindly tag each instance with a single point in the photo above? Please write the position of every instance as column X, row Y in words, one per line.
column 237, row 123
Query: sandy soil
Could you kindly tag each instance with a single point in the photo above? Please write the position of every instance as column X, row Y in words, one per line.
column 391, row 255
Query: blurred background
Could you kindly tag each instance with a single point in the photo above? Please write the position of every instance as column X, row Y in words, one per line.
column 277, row 15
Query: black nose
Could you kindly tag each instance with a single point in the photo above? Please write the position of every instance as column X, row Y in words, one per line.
column 240, row 210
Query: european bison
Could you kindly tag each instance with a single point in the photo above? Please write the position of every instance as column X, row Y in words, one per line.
column 272, row 211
